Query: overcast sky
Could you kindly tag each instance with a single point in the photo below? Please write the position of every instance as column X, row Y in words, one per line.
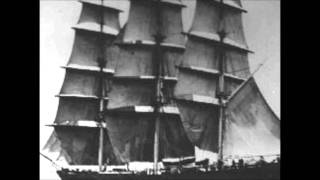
column 262, row 30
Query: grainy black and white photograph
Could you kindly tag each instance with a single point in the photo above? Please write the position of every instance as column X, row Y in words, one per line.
column 159, row 89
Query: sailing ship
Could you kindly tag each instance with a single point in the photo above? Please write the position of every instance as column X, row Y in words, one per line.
column 150, row 95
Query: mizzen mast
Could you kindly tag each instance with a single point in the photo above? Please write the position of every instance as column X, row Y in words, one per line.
column 232, row 49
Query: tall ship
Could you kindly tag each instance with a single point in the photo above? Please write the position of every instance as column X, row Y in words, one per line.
column 151, row 101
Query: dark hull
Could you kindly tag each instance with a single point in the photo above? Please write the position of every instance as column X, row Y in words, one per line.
column 266, row 172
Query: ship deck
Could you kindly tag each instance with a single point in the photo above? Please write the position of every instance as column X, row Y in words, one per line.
column 268, row 171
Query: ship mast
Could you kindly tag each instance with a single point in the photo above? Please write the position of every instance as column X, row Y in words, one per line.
column 158, row 67
column 101, row 63
column 221, row 90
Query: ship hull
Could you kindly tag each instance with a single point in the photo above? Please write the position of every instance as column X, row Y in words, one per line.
column 271, row 172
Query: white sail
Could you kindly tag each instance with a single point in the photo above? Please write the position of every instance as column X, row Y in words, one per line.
column 132, row 94
column 142, row 23
column 201, row 124
column 196, row 83
column 77, row 146
column 198, row 76
column 232, row 24
column 189, row 115
column 237, row 64
column 200, row 53
column 251, row 127
column 91, row 15
column 76, row 133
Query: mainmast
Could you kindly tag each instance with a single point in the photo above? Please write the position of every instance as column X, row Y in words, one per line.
column 159, row 85
column 144, row 79
column 101, row 63
column 221, row 90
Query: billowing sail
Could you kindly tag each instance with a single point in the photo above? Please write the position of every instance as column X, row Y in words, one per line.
column 73, row 109
column 77, row 146
column 131, row 135
column 131, row 119
column 173, row 139
column 94, row 13
column 201, row 124
column 199, row 70
column 206, row 18
column 237, row 64
column 143, row 25
column 76, row 134
column 251, row 127
column 88, row 42
column 190, row 85
column 200, row 53
column 232, row 25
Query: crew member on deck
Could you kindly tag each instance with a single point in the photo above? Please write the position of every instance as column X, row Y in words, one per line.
column 219, row 165
column 106, row 164
column 233, row 166
column 240, row 163
column 262, row 162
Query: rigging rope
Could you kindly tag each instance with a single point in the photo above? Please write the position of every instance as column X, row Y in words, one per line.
column 54, row 164
column 256, row 69
column 259, row 66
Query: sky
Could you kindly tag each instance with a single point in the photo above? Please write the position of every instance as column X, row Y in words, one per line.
column 262, row 31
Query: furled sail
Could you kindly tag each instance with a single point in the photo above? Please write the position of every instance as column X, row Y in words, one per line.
column 130, row 109
column 76, row 134
column 251, row 127
column 199, row 70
